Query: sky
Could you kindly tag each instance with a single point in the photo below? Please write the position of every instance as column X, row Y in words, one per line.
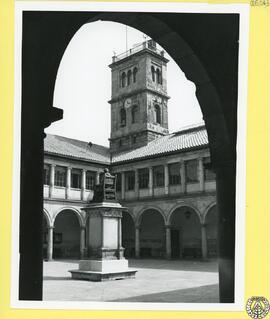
column 83, row 84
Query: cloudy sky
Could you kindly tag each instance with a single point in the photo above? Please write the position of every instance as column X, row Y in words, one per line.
column 83, row 84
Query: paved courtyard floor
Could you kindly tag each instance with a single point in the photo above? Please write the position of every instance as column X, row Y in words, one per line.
column 157, row 280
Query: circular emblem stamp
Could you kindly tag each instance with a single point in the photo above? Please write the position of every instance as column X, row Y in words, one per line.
column 257, row 307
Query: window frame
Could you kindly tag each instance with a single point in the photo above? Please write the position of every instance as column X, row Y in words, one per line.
column 143, row 178
column 188, row 178
column 76, row 172
column 158, row 176
column 174, row 179
column 92, row 176
column 129, row 181
column 60, row 181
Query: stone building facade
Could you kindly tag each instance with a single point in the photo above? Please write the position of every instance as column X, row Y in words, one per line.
column 163, row 179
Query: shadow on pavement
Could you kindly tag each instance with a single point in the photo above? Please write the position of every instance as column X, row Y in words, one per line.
column 202, row 294
column 175, row 264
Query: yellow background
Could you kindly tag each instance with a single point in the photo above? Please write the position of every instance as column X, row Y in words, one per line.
column 257, row 254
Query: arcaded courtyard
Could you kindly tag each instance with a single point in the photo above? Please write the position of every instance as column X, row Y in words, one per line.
column 157, row 280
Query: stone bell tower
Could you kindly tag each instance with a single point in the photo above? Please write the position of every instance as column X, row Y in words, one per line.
column 139, row 97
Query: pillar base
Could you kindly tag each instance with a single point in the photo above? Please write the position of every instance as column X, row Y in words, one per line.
column 102, row 270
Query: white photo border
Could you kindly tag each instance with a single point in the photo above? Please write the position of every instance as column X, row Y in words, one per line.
column 243, row 11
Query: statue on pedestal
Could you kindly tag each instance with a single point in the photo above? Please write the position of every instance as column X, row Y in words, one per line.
column 105, row 252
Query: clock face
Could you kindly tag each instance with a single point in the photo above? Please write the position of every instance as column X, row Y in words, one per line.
column 127, row 103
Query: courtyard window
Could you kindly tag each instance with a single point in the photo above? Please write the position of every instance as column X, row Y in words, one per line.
column 158, row 175
column 143, row 178
column 153, row 73
column 123, row 117
column 130, row 180
column 135, row 71
column 129, row 74
column 209, row 174
column 134, row 114
column 90, row 180
column 118, row 182
column 76, row 178
column 159, row 76
column 192, row 171
column 123, row 79
column 60, row 176
column 46, row 175
column 157, row 114
column 174, row 174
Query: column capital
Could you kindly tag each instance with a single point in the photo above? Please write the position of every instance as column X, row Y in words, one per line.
column 50, row 227
column 168, row 226
column 52, row 164
column 82, row 227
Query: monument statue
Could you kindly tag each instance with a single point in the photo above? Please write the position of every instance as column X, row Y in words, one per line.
column 105, row 191
column 105, row 260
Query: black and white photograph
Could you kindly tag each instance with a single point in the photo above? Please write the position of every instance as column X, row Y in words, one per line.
column 130, row 156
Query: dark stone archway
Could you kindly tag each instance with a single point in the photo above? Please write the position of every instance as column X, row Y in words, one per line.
column 128, row 235
column 152, row 234
column 205, row 46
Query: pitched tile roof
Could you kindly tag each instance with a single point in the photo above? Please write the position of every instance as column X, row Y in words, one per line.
column 63, row 146
column 184, row 140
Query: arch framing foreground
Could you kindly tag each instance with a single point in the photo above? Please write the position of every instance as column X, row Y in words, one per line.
column 208, row 53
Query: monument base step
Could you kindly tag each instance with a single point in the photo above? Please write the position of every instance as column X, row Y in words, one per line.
column 102, row 276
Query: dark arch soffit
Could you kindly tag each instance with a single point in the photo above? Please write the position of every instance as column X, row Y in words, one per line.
column 52, row 32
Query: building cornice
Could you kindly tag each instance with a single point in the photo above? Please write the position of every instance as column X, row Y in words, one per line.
column 124, row 96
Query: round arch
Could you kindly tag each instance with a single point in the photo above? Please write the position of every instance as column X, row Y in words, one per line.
column 154, row 208
column 211, row 230
column 47, row 217
column 178, row 206
column 76, row 211
column 152, row 233
column 67, row 231
column 185, row 228
column 208, row 208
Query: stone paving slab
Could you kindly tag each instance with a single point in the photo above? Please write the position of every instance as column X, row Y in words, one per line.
column 156, row 281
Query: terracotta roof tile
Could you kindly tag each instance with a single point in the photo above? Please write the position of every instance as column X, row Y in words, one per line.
column 178, row 141
column 184, row 140
column 63, row 146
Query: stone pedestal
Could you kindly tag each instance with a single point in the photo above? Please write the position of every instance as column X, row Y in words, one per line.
column 106, row 255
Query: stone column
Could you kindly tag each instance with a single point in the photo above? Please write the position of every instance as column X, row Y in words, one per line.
column 166, row 179
column 183, row 176
column 82, row 242
column 123, row 186
column 120, row 248
column 137, row 183
column 97, row 178
column 168, row 242
column 52, row 173
column 50, row 244
column 150, row 181
column 137, row 241
column 201, row 174
column 83, row 184
column 204, row 241
column 68, row 182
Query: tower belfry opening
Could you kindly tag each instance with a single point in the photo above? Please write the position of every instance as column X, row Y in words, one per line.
column 139, row 97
